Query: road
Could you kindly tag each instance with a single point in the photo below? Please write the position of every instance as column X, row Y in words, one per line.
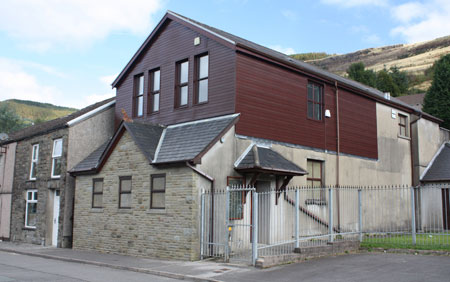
column 14, row 267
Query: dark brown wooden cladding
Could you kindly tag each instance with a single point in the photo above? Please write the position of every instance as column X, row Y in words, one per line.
column 175, row 43
column 272, row 103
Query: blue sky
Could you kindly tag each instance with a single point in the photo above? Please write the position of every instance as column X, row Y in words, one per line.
column 68, row 52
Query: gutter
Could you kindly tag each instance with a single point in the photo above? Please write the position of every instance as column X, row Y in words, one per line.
column 89, row 114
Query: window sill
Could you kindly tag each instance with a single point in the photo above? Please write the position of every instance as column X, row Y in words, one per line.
column 55, row 177
column 200, row 104
column 403, row 137
column 29, row 228
column 124, row 210
column 315, row 120
column 96, row 210
column 156, row 211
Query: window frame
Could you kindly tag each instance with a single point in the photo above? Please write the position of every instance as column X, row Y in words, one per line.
column 128, row 177
column 56, row 157
column 158, row 191
column 322, row 196
column 34, row 200
column 152, row 92
column 179, row 85
column 137, row 94
column 34, row 161
column 242, row 200
column 198, row 79
column 401, row 125
column 314, row 102
column 94, row 193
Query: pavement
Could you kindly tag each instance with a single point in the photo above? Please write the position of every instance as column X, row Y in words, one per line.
column 183, row 270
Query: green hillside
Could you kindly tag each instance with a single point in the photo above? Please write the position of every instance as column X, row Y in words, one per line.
column 35, row 112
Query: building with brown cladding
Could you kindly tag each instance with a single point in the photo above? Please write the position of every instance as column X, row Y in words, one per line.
column 211, row 109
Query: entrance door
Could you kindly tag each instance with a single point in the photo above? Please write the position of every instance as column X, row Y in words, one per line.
column 264, row 196
column 446, row 208
column 55, row 218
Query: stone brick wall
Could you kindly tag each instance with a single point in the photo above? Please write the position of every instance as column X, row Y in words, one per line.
column 171, row 233
column 43, row 183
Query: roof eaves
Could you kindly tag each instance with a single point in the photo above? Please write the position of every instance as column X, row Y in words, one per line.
column 430, row 164
column 90, row 113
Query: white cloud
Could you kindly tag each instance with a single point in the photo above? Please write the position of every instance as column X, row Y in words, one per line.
column 422, row 21
column 16, row 83
column 285, row 50
column 108, row 91
column 355, row 3
column 45, row 24
column 372, row 39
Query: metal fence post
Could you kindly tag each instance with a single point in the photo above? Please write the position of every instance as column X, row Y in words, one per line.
column 413, row 217
column 297, row 218
column 227, row 222
column 330, row 214
column 202, row 224
column 360, row 215
column 255, row 228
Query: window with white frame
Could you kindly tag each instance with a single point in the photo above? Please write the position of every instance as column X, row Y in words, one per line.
column 31, row 209
column 56, row 158
column 34, row 161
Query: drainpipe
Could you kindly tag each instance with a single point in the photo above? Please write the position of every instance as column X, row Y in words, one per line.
column 211, row 217
column 413, row 174
column 337, row 156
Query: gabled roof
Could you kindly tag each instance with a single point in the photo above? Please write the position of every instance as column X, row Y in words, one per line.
column 59, row 123
column 238, row 43
column 261, row 159
column 190, row 140
column 438, row 169
column 415, row 100
column 184, row 142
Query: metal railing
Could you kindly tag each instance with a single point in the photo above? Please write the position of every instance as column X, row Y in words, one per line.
column 243, row 224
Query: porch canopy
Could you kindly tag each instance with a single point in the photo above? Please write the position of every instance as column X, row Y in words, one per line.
column 264, row 160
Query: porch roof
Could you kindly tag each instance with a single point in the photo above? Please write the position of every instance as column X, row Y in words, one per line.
column 439, row 168
column 265, row 160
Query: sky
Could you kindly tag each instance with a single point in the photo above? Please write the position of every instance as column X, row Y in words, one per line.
column 69, row 52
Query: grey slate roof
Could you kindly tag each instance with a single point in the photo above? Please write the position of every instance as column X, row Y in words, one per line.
column 90, row 162
column 52, row 125
column 440, row 168
column 186, row 141
column 260, row 158
column 146, row 136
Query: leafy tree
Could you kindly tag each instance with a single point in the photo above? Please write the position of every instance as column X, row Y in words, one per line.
column 9, row 120
column 385, row 83
column 358, row 72
column 400, row 79
column 437, row 99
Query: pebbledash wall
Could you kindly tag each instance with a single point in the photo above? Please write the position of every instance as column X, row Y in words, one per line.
column 45, row 186
column 140, row 231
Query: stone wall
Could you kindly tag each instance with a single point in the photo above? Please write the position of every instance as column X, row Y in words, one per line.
column 43, row 183
column 170, row 233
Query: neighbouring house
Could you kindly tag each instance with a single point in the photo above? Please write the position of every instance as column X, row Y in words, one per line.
column 415, row 100
column 40, row 190
column 211, row 109
column 7, row 160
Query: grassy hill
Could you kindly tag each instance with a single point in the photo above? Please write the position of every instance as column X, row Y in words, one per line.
column 416, row 59
column 35, row 112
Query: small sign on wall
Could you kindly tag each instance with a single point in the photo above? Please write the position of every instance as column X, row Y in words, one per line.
column 394, row 114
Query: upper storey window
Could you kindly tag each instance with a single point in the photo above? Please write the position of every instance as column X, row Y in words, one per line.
column 181, row 89
column 315, row 101
column 34, row 161
column 202, row 69
column 139, row 95
column 154, row 95
column 402, row 122
column 56, row 158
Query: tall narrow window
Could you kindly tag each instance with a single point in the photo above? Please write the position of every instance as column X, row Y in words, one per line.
column 125, row 192
column 31, row 209
column 56, row 158
column 236, row 198
column 181, row 97
column 402, row 125
column 314, row 181
column 315, row 101
column 139, row 95
column 34, row 161
column 201, row 81
column 97, row 192
column 158, row 191
column 154, row 95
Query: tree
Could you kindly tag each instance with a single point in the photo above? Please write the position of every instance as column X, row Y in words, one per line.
column 358, row 72
column 385, row 83
column 437, row 99
column 9, row 120
column 400, row 79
